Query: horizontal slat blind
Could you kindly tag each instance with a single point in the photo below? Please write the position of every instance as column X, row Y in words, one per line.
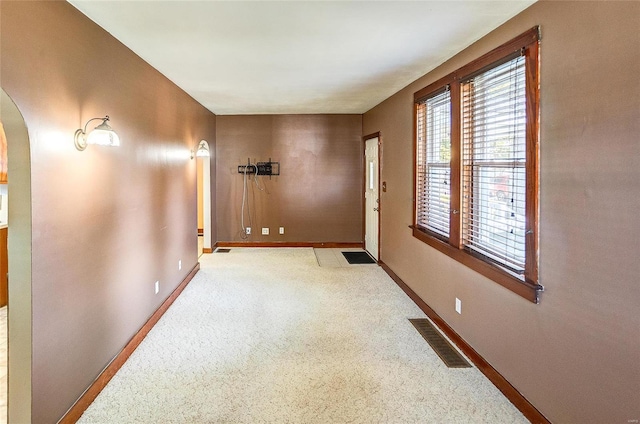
column 494, row 160
column 433, row 167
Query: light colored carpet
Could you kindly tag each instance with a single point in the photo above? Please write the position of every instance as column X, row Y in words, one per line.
column 268, row 336
column 3, row 365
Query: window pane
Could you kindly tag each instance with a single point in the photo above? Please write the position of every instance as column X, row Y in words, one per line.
column 498, row 225
column 494, row 155
column 434, row 155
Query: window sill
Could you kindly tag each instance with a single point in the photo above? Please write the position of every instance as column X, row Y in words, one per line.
column 522, row 288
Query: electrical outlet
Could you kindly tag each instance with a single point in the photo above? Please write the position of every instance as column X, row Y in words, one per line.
column 179, row 265
column 265, row 231
column 248, row 230
column 157, row 287
column 458, row 306
column 281, row 230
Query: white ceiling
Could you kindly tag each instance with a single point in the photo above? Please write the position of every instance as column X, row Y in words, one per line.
column 271, row 57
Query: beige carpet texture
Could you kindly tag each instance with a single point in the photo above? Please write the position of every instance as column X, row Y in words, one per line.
column 269, row 336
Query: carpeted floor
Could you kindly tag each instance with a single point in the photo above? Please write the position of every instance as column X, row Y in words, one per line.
column 268, row 336
column 3, row 365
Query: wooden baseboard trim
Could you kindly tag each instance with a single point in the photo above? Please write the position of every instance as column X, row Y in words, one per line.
column 78, row 408
column 511, row 393
column 289, row 244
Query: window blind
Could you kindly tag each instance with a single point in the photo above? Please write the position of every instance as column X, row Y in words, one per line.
column 494, row 164
column 433, row 163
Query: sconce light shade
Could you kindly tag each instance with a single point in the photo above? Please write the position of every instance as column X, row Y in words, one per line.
column 103, row 135
column 203, row 150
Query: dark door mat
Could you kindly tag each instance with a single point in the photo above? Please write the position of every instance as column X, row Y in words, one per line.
column 220, row 250
column 358, row 258
column 439, row 344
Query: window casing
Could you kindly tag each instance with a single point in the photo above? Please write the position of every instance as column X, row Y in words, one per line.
column 476, row 165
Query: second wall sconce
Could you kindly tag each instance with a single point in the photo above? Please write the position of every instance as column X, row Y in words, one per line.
column 202, row 151
column 103, row 135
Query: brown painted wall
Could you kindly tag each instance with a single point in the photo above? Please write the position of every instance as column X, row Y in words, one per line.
column 317, row 197
column 107, row 222
column 575, row 356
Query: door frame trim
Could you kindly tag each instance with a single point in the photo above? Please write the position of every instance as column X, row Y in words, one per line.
column 364, row 188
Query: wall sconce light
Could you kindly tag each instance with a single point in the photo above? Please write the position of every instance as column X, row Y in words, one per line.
column 103, row 134
column 203, row 150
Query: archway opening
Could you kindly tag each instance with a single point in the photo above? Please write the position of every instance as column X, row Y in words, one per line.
column 19, row 312
column 203, row 167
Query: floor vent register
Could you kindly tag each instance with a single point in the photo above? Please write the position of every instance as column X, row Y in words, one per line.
column 449, row 355
column 358, row 258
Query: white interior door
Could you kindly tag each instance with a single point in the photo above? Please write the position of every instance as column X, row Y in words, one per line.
column 371, row 199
